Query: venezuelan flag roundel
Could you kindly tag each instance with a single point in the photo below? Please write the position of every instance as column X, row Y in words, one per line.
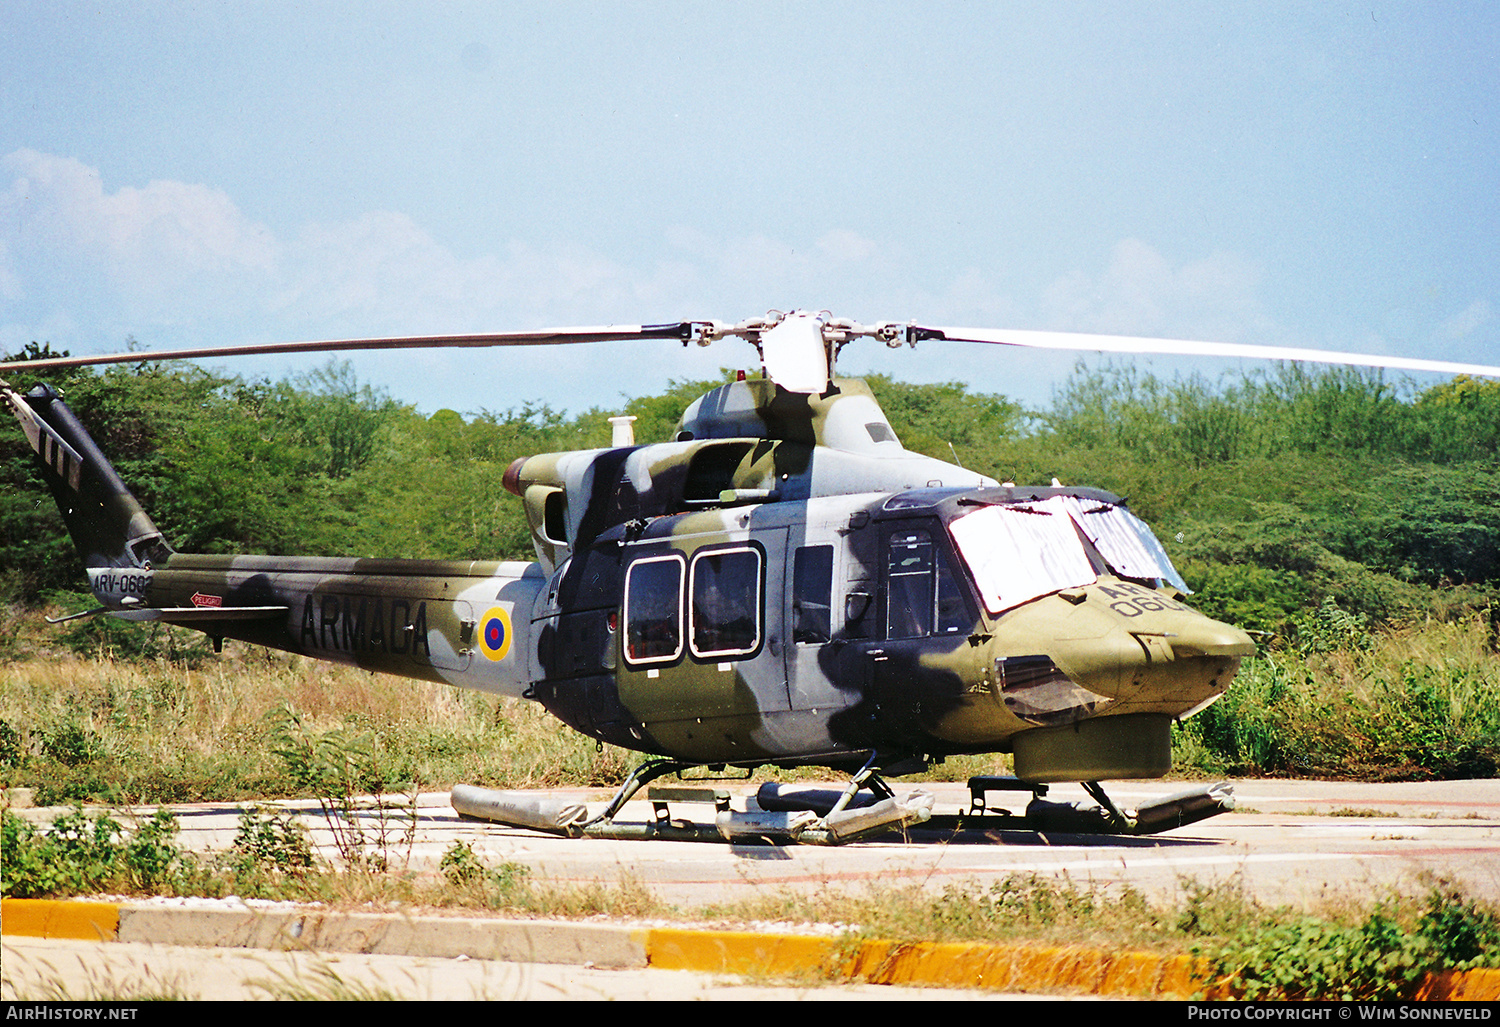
column 494, row 634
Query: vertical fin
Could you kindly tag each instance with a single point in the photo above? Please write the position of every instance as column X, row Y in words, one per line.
column 106, row 522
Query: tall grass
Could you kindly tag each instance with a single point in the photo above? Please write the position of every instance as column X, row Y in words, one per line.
column 159, row 730
column 1416, row 703
column 1339, row 698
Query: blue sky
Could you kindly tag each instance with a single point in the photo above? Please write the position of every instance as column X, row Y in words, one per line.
column 184, row 174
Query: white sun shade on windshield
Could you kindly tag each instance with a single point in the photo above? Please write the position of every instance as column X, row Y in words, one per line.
column 1123, row 539
column 1020, row 553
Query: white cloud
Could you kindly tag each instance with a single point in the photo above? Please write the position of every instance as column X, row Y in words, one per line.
column 1140, row 292
column 178, row 254
column 179, row 264
column 154, row 248
column 1466, row 322
column 757, row 271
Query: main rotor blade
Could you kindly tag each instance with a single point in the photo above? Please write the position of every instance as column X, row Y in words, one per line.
column 1187, row 348
column 546, row 337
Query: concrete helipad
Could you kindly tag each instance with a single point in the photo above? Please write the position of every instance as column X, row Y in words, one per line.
column 1288, row 842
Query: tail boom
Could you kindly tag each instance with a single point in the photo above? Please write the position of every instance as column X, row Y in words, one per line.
column 464, row 622
column 467, row 623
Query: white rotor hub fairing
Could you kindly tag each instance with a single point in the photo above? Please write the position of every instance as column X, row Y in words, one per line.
column 795, row 355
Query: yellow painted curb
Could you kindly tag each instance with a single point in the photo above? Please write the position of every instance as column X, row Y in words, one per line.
column 1020, row 968
column 1462, row 986
column 970, row 965
column 737, row 952
column 52, row 918
column 950, row 964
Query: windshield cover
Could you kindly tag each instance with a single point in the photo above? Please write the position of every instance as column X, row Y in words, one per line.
column 1023, row 551
column 1123, row 539
column 1020, row 553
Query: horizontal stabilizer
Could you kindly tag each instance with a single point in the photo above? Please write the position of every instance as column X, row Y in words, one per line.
column 198, row 614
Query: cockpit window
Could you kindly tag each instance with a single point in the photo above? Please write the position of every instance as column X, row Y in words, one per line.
column 923, row 598
column 1124, row 541
column 1020, row 553
column 1023, row 551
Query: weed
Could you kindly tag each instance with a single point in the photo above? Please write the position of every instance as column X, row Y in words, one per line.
column 1382, row 956
column 1311, row 958
column 511, row 886
column 151, row 856
column 1210, row 910
column 507, row 886
column 335, row 765
column 99, row 984
column 1464, row 934
column 71, row 745
column 12, row 749
column 82, row 854
column 461, row 866
column 270, row 841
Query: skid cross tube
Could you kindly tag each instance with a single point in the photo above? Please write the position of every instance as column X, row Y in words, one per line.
column 638, row 779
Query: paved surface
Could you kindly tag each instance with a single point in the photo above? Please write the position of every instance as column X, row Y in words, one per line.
column 1383, row 835
column 1289, row 842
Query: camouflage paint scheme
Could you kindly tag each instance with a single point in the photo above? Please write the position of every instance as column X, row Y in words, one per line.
column 822, row 527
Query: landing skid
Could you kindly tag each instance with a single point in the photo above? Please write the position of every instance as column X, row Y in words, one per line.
column 867, row 807
column 1173, row 811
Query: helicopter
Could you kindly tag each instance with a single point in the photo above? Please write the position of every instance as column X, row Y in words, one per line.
column 780, row 584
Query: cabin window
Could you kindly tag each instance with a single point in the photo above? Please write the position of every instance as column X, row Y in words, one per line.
column 653, row 610
column 923, row 597
column 812, row 594
column 726, row 608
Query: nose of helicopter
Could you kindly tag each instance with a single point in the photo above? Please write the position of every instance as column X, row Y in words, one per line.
column 1202, row 636
column 1182, row 661
column 1131, row 647
column 1124, row 662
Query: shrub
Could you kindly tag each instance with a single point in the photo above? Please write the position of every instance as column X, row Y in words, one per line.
column 82, row 854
